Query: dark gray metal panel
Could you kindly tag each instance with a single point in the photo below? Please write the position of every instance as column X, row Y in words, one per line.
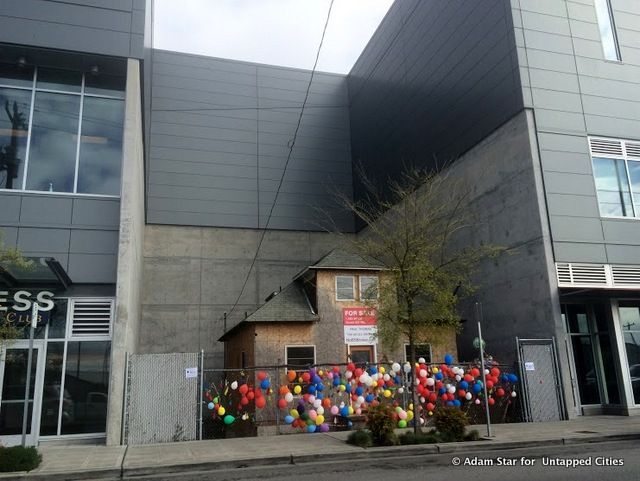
column 93, row 268
column 10, row 211
column 579, row 251
column 43, row 240
column 216, row 160
column 46, row 210
column 435, row 79
column 109, row 28
column 96, row 213
column 93, row 242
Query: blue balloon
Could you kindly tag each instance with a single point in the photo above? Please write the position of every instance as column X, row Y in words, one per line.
column 477, row 387
column 359, row 390
column 442, row 390
column 373, row 370
column 456, row 402
column 344, row 412
column 369, row 397
column 320, row 387
column 397, row 380
column 317, row 379
column 265, row 384
column 513, row 378
column 300, row 408
column 349, row 424
column 336, row 381
column 288, row 419
column 312, row 389
column 504, row 378
column 438, row 376
column 348, row 388
column 319, row 395
column 464, row 385
column 311, row 428
column 448, row 359
column 211, row 405
column 449, row 403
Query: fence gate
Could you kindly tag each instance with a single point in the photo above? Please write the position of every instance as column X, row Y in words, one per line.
column 540, row 380
column 162, row 398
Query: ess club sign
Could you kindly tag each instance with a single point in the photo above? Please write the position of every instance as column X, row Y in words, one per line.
column 360, row 325
column 18, row 306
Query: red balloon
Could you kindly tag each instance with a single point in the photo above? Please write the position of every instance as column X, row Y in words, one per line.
column 244, row 401
column 491, row 401
column 282, row 403
column 433, row 397
column 351, row 367
column 357, row 373
column 380, row 382
column 495, row 371
column 430, row 406
column 250, row 395
column 243, row 389
column 261, row 402
column 500, row 392
column 475, row 372
column 336, row 369
column 468, row 377
column 258, row 392
column 461, row 392
column 489, row 384
column 262, row 375
column 306, row 377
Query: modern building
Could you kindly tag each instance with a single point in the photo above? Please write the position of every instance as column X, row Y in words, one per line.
column 142, row 181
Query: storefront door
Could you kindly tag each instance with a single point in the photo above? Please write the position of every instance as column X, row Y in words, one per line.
column 13, row 369
column 629, row 318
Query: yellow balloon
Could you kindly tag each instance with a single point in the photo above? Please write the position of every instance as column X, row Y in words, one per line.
column 343, row 388
column 297, row 389
column 382, row 370
column 319, row 419
column 350, row 410
column 411, row 406
column 221, row 411
column 430, row 413
column 387, row 393
column 320, row 373
column 409, row 415
column 434, row 370
column 294, row 413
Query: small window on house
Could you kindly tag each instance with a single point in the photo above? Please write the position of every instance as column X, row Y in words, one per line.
column 422, row 350
column 368, row 288
column 345, row 288
column 610, row 46
column 299, row 358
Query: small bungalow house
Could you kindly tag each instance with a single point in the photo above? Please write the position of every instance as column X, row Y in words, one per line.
column 321, row 318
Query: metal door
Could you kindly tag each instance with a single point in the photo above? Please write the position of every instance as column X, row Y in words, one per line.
column 540, row 380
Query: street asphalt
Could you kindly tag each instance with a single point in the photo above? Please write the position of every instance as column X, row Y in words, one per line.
column 619, row 461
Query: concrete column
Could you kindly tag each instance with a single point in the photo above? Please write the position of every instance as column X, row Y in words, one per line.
column 130, row 252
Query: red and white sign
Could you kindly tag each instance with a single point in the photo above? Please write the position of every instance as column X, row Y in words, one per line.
column 360, row 325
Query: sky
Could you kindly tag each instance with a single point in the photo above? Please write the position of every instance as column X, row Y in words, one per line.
column 277, row 32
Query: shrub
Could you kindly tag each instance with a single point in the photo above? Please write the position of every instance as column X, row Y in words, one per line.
column 472, row 435
column 421, row 438
column 381, row 425
column 450, row 423
column 18, row 458
column 360, row 438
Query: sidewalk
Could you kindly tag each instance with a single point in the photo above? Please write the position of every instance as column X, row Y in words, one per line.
column 113, row 462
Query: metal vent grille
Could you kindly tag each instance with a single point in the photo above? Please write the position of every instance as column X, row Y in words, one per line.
column 91, row 318
column 605, row 146
column 626, row 275
column 633, row 149
column 603, row 276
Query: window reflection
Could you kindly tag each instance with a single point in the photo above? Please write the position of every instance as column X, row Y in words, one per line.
column 51, row 391
column 101, row 146
column 630, row 323
column 86, row 386
column 53, row 142
column 614, row 195
column 14, row 125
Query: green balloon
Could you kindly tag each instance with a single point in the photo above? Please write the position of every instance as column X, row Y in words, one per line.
column 215, row 399
column 402, row 423
column 228, row 419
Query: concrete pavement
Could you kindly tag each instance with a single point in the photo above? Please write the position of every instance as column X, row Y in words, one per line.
column 114, row 462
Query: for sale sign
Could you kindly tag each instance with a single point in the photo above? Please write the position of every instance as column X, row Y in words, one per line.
column 360, row 325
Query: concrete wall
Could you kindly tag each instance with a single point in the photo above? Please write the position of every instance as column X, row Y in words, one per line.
column 192, row 275
column 435, row 79
column 80, row 232
column 219, row 134
column 130, row 252
column 575, row 92
column 113, row 27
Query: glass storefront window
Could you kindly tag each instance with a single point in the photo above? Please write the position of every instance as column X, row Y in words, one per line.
column 87, row 383
column 630, row 323
column 51, row 390
column 14, row 128
column 58, row 319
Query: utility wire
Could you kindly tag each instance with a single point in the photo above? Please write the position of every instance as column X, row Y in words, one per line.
column 291, row 145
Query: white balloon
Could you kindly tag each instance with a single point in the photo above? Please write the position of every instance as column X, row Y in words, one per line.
column 458, row 377
column 288, row 397
column 386, row 377
column 234, row 385
column 363, row 378
column 421, row 360
column 513, row 394
column 477, row 401
column 320, row 410
column 317, row 403
column 312, row 399
column 422, row 400
column 348, row 374
column 395, row 367
column 468, row 396
column 451, row 389
column 423, row 373
column 360, row 399
column 400, row 390
column 407, row 367
column 342, row 404
column 430, row 381
column 486, row 372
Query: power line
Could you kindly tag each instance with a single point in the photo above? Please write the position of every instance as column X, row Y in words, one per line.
column 284, row 171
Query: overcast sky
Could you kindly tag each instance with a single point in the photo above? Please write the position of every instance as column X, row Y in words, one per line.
column 279, row 32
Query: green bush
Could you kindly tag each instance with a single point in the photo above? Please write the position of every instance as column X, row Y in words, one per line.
column 18, row 458
column 472, row 435
column 420, row 438
column 360, row 438
column 381, row 425
column 450, row 422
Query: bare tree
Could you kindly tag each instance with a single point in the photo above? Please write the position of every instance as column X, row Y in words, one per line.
column 421, row 230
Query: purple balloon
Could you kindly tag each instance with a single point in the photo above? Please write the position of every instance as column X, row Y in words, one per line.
column 324, row 428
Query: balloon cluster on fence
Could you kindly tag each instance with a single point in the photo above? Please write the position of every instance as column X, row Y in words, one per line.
column 313, row 400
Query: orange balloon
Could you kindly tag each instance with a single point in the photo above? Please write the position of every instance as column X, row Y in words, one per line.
column 326, row 403
column 284, row 390
column 291, row 376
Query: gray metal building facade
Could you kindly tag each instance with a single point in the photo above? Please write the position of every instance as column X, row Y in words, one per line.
column 512, row 90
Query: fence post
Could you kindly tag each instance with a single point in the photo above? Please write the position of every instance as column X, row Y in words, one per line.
column 275, row 404
column 200, row 401
column 125, row 400
column 484, row 376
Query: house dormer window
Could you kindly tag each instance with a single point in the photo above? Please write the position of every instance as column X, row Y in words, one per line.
column 345, row 288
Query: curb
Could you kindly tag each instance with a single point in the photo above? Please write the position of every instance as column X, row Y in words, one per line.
column 427, row 450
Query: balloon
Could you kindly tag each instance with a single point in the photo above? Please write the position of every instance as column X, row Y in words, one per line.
column 313, row 414
column 288, row 419
column 402, row 414
column 468, row 396
column 477, row 387
column 261, row 402
column 402, row 423
column 288, row 397
column 297, row 389
column 312, row 389
column 395, row 367
column 306, row 377
column 243, row 389
column 294, row 413
column 512, row 378
column 320, row 410
column 409, row 415
column 319, row 419
column 500, row 392
column 495, row 371
column 423, row 373
column 448, row 359
column 234, row 385
column 407, row 367
column 387, row 393
column 291, row 375
column 491, row 401
column 311, row 428
column 477, row 401
column 221, row 411
column 211, row 406
column 244, row 400
column 335, row 410
column 282, row 403
column 513, row 394
column 229, row 419
column 344, row 412
column 324, row 428
column 262, row 375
